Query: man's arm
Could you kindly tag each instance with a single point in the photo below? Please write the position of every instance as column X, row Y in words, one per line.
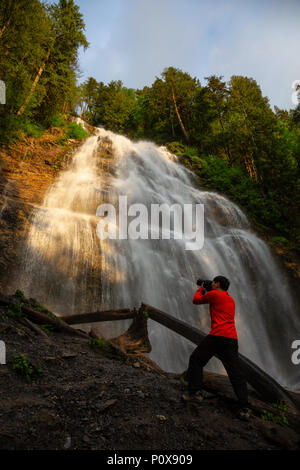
column 203, row 299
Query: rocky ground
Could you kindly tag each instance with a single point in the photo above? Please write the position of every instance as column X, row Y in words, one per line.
column 78, row 397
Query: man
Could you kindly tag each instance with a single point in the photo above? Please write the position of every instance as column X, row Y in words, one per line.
column 221, row 341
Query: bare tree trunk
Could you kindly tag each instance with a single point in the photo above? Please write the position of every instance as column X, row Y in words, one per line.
column 186, row 135
column 33, row 87
column 172, row 124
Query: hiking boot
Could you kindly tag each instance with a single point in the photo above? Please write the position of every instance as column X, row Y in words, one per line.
column 244, row 414
column 194, row 397
column 208, row 395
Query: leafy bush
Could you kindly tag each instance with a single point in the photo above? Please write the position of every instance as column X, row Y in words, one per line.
column 281, row 405
column 280, row 240
column 176, row 147
column 32, row 129
column 57, row 120
column 191, row 152
column 20, row 295
column 14, row 309
column 76, row 131
column 279, row 419
column 23, row 366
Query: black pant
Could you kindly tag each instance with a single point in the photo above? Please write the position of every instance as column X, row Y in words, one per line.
column 226, row 350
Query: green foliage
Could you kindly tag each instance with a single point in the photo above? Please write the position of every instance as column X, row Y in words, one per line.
column 57, row 163
column 20, row 295
column 278, row 419
column 99, row 344
column 75, row 131
column 36, row 305
column 31, row 129
column 280, row 240
column 14, row 309
column 38, row 63
column 281, row 405
column 23, row 366
column 57, row 120
column 146, row 314
column 176, row 147
column 113, row 106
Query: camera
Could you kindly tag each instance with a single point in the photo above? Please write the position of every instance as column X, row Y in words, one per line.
column 207, row 284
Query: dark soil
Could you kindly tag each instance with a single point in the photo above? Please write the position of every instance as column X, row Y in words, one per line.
column 82, row 399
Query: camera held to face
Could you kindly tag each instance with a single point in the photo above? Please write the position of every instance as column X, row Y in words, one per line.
column 207, row 284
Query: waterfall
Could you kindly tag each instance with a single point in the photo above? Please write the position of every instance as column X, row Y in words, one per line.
column 68, row 268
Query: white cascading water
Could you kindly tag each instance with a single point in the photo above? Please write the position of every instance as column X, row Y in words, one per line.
column 70, row 270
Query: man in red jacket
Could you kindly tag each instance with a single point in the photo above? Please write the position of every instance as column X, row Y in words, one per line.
column 222, row 341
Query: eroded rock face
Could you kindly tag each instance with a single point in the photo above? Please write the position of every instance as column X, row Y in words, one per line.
column 27, row 169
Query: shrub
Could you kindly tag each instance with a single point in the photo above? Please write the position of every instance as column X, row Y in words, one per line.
column 14, row 309
column 278, row 419
column 76, row 131
column 20, row 295
column 32, row 129
column 23, row 366
column 176, row 147
column 57, row 120
column 280, row 240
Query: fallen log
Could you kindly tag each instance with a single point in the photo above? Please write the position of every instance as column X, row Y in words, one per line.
column 255, row 376
column 35, row 328
column 264, row 384
column 57, row 323
column 43, row 318
column 106, row 315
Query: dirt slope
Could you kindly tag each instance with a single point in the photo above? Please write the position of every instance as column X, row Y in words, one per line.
column 82, row 399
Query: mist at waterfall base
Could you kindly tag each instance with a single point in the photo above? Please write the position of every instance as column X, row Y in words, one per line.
column 66, row 267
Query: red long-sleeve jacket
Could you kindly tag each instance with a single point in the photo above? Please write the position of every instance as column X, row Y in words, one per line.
column 222, row 311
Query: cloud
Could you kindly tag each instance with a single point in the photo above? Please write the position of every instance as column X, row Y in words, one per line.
column 134, row 40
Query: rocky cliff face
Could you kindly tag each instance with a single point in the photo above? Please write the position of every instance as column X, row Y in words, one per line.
column 27, row 168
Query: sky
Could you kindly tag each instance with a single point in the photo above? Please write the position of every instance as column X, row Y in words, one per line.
column 135, row 40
